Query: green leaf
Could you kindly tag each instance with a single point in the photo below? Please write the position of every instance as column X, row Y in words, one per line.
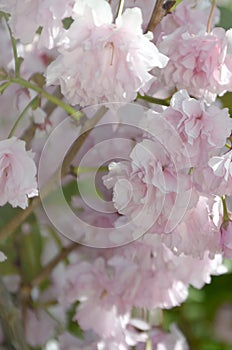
column 35, row 103
column 73, row 326
column 67, row 22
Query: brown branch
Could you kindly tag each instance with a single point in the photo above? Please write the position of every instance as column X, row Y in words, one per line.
column 158, row 13
column 161, row 9
column 10, row 320
column 52, row 264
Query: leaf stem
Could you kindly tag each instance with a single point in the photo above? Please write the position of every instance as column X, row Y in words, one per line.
column 14, row 48
column 67, row 108
column 151, row 99
column 30, row 104
column 226, row 216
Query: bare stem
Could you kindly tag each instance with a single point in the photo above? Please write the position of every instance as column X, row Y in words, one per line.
column 158, row 13
column 14, row 48
column 211, row 16
column 30, row 104
column 52, row 264
column 120, row 8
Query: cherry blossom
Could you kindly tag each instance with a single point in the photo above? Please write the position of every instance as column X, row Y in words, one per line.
column 199, row 62
column 17, row 170
column 118, row 56
column 203, row 129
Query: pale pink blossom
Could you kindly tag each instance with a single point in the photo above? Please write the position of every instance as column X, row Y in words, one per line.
column 199, row 62
column 216, row 176
column 199, row 231
column 118, row 280
column 203, row 129
column 151, row 188
column 222, row 173
column 190, row 15
column 17, row 173
column 101, row 61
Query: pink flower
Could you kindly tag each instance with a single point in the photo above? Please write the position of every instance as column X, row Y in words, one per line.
column 190, row 15
column 199, row 231
column 203, row 129
column 199, row 62
column 222, row 171
column 216, row 176
column 101, row 61
column 141, row 186
column 17, row 173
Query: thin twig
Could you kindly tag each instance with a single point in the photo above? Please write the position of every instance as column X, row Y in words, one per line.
column 211, row 16
column 77, row 115
column 120, row 8
column 10, row 320
column 45, row 272
column 21, row 116
column 158, row 13
column 49, row 107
